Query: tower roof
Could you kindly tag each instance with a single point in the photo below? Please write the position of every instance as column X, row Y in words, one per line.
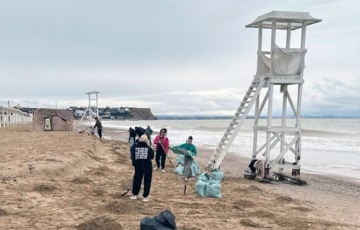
column 91, row 92
column 282, row 18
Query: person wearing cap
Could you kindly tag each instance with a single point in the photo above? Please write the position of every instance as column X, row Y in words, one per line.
column 188, row 159
column 162, row 148
column 99, row 126
column 141, row 156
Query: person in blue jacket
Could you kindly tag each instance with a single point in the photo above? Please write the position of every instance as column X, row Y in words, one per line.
column 141, row 156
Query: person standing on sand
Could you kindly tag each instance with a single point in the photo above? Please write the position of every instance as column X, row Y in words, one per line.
column 141, row 156
column 188, row 159
column 132, row 136
column 162, row 148
column 99, row 126
column 148, row 132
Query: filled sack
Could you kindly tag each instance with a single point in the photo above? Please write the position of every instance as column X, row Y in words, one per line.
column 180, row 160
column 163, row 221
column 179, row 170
column 217, row 175
column 195, row 169
column 213, row 189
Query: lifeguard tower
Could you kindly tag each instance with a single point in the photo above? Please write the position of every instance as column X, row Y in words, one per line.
column 278, row 67
column 92, row 110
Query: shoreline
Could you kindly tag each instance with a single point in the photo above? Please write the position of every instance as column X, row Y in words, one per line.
column 122, row 135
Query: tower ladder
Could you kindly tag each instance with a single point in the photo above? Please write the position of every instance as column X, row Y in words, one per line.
column 236, row 122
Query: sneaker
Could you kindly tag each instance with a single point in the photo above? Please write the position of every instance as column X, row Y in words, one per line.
column 155, row 168
column 163, row 170
column 133, row 197
column 145, row 199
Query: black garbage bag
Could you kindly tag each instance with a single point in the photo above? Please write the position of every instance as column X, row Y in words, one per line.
column 164, row 221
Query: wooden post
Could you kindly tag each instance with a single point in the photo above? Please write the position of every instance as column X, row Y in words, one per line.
column 97, row 108
column 256, row 123
column 288, row 35
column 259, row 50
column 273, row 40
column 298, row 125
column 283, row 122
column 303, row 35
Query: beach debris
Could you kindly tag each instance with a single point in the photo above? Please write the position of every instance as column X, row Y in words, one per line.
column 31, row 168
column 9, row 178
column 249, row 175
column 100, row 223
column 292, row 180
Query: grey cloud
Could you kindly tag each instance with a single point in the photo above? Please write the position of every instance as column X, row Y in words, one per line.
column 138, row 53
column 332, row 96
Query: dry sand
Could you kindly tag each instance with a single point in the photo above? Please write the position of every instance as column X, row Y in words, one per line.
column 58, row 180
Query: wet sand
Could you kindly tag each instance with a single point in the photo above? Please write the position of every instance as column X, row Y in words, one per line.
column 58, row 180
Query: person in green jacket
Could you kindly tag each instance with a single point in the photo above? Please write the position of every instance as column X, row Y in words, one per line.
column 99, row 126
column 188, row 158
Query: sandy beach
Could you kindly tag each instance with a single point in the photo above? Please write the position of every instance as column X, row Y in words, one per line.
column 62, row 180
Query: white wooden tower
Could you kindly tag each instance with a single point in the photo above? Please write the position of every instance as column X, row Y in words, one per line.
column 278, row 67
column 92, row 110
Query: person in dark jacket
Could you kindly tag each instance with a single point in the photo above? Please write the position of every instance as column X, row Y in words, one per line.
column 148, row 132
column 139, row 131
column 99, row 126
column 132, row 136
column 141, row 156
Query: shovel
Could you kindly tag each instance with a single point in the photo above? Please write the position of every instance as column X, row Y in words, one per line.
column 165, row 153
column 128, row 186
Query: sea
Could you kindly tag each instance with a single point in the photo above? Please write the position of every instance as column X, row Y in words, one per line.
column 329, row 146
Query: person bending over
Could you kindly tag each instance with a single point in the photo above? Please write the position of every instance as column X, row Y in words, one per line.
column 139, row 131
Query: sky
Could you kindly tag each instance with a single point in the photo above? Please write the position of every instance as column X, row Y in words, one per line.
column 176, row 57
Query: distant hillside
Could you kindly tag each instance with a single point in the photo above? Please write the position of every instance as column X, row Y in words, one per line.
column 142, row 114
